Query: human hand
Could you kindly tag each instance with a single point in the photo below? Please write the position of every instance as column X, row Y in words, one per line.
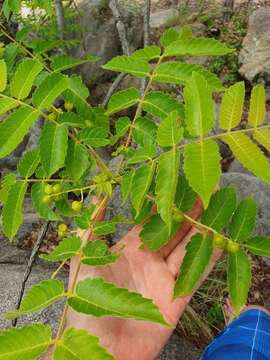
column 153, row 275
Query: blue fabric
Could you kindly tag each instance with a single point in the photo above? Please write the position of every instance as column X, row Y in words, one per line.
column 246, row 338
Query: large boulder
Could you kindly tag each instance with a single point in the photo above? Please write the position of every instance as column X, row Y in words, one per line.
column 255, row 54
column 100, row 35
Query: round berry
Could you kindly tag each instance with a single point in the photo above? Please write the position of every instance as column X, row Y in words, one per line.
column 178, row 215
column 52, row 116
column 57, row 188
column 233, row 247
column 62, row 227
column 61, row 233
column 68, row 106
column 48, row 189
column 47, row 199
column 76, row 205
column 219, row 241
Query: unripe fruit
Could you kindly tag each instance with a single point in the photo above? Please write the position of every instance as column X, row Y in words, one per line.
column 76, row 205
column 48, row 189
column 68, row 106
column 61, row 233
column 57, row 188
column 219, row 241
column 52, row 116
column 62, row 227
column 178, row 215
column 47, row 199
column 233, row 247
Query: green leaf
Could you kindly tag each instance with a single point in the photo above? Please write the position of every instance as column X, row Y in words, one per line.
column 198, row 255
column 130, row 65
column 259, row 245
column 141, row 182
column 156, row 233
column 197, row 47
column 121, row 126
column 181, row 73
column 221, row 208
column 83, row 221
column 169, row 36
column 243, row 221
column 94, row 136
column 141, row 154
column 39, row 297
column 12, row 211
column 242, row 147
column 97, row 253
column 65, row 62
column 99, row 298
column 53, row 147
column 202, row 167
column 232, row 106
column 256, row 114
column 185, row 197
column 166, row 183
column 79, row 344
column 7, row 181
column 147, row 53
column 50, row 88
column 126, row 184
column 145, row 131
column 169, row 132
column 24, row 77
column 25, row 343
column 77, row 161
column 160, row 104
column 65, row 250
column 28, row 163
column 199, row 109
column 43, row 210
column 41, row 46
column 3, row 75
column 122, row 100
column 263, row 137
column 239, row 279
column 7, row 104
column 14, row 128
column 72, row 119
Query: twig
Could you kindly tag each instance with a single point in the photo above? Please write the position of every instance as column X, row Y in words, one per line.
column 60, row 17
column 146, row 30
column 113, row 87
column 30, row 264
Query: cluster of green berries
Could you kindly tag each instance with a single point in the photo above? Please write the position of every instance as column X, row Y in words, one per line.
column 62, row 230
column 53, row 113
column 221, row 243
column 53, row 192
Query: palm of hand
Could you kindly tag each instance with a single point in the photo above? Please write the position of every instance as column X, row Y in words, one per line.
column 150, row 274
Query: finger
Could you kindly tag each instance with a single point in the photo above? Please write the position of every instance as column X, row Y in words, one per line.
column 183, row 230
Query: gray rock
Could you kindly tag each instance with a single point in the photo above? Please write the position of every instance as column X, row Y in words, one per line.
column 100, row 34
column 255, row 54
column 249, row 185
column 164, row 18
column 178, row 349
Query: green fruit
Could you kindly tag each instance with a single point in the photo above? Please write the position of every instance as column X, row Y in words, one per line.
column 61, row 233
column 68, row 106
column 76, row 205
column 47, row 199
column 233, row 247
column 52, row 116
column 178, row 215
column 62, row 228
column 57, row 188
column 219, row 241
column 48, row 189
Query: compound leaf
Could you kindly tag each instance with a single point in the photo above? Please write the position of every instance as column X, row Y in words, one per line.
column 25, row 343
column 198, row 255
column 78, row 344
column 243, row 221
column 12, row 211
column 39, row 297
column 221, row 208
column 24, row 77
column 67, row 248
column 202, row 167
column 99, row 298
column 239, row 279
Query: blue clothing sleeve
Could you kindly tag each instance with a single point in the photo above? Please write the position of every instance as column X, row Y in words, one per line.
column 246, row 338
